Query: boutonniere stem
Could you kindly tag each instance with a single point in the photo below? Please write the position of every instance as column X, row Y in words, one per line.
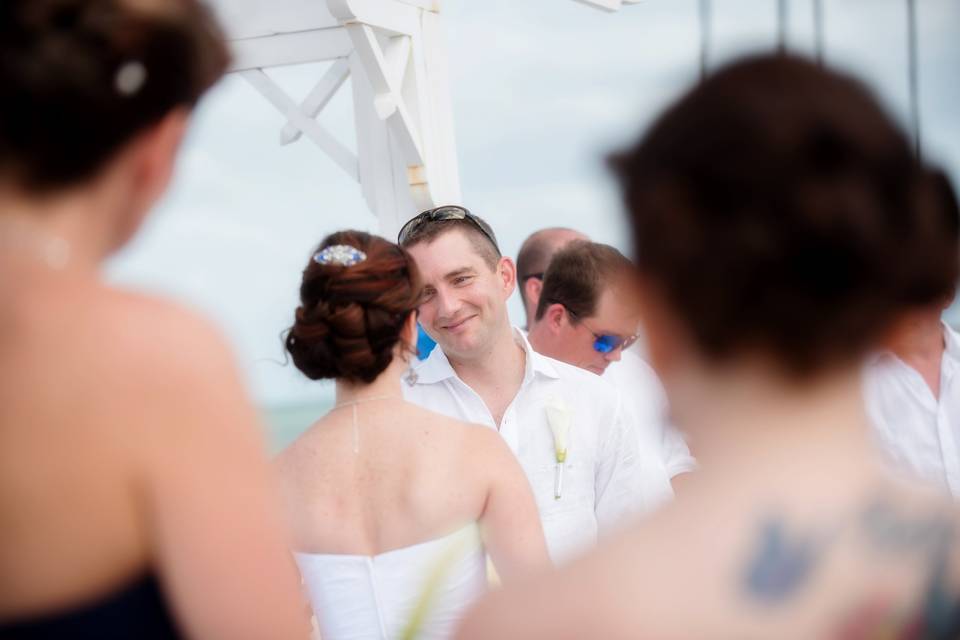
column 559, row 418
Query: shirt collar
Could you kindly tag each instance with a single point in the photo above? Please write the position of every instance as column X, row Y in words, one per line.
column 437, row 367
column 536, row 362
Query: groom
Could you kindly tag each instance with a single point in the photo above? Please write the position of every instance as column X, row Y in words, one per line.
column 564, row 424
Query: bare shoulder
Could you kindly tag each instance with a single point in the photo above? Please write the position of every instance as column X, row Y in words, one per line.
column 165, row 333
column 166, row 364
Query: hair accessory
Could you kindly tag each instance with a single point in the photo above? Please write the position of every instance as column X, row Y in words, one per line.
column 130, row 78
column 341, row 254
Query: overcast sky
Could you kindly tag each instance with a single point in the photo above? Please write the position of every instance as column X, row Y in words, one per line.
column 542, row 90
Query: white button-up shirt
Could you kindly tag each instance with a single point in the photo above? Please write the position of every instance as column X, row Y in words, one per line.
column 601, row 478
column 918, row 432
column 644, row 397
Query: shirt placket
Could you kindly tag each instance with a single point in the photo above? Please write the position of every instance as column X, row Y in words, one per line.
column 508, row 427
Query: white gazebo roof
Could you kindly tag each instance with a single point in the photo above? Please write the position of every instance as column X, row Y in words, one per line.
column 393, row 52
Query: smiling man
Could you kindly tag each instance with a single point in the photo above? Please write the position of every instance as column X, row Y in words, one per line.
column 566, row 426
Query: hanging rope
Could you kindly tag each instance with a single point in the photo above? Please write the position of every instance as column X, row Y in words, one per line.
column 783, row 11
column 704, row 37
column 913, row 74
column 818, row 30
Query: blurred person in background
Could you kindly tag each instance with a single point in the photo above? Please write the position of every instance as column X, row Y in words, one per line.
column 587, row 316
column 582, row 279
column 135, row 497
column 532, row 262
column 783, row 227
column 913, row 395
column 384, row 497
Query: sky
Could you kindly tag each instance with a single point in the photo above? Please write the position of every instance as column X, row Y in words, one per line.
column 542, row 91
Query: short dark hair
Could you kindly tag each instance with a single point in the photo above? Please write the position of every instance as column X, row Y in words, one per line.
column 577, row 276
column 430, row 230
column 780, row 210
column 79, row 78
column 350, row 317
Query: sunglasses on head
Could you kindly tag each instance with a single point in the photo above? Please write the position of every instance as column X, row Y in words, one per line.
column 605, row 342
column 441, row 214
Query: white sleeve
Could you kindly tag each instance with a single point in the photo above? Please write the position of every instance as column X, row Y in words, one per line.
column 619, row 473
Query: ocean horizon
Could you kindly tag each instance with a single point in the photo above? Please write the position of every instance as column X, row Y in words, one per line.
column 285, row 421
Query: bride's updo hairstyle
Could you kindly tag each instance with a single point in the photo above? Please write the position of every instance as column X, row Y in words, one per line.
column 351, row 310
column 80, row 78
column 778, row 211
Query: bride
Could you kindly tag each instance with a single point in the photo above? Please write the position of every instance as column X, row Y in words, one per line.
column 392, row 506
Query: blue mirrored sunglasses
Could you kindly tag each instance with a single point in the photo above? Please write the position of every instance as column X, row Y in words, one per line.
column 606, row 342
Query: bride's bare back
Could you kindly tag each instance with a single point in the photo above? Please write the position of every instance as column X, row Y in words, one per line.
column 377, row 473
column 415, row 476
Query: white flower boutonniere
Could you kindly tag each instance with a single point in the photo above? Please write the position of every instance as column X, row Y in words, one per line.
column 558, row 416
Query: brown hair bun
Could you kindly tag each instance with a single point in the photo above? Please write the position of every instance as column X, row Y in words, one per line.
column 350, row 317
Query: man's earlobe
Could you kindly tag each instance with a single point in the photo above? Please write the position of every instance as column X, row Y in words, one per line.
column 533, row 287
column 555, row 314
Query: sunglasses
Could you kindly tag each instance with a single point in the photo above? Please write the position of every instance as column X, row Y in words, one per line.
column 605, row 342
column 441, row 214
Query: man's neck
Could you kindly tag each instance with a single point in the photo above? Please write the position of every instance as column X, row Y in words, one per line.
column 539, row 339
column 496, row 374
column 921, row 348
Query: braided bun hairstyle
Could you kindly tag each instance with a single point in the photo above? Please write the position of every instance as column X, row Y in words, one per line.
column 350, row 317
column 80, row 78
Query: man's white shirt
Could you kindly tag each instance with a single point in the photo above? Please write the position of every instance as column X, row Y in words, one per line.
column 602, row 475
column 644, row 398
column 917, row 432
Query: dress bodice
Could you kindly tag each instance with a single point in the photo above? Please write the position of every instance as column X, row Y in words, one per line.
column 423, row 588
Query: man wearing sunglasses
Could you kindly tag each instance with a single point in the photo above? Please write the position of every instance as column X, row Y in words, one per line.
column 567, row 427
column 586, row 317
column 586, row 314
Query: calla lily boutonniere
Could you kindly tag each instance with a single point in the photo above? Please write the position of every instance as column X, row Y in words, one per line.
column 558, row 416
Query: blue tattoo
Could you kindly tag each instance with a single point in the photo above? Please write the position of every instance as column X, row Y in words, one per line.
column 781, row 564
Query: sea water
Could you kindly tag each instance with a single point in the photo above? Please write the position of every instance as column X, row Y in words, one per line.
column 284, row 422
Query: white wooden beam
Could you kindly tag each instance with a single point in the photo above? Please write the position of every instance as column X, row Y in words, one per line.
column 313, row 130
column 382, row 172
column 392, row 16
column 388, row 99
column 290, row 48
column 318, row 98
column 443, row 174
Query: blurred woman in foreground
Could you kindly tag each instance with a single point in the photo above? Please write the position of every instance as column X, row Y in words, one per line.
column 134, row 497
column 782, row 229
column 384, row 497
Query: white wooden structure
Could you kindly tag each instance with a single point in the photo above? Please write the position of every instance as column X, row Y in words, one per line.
column 393, row 53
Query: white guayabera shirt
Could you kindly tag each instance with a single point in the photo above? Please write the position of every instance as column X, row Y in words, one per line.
column 602, row 474
column 644, row 396
column 918, row 432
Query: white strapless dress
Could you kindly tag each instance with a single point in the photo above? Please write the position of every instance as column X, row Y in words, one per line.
column 419, row 591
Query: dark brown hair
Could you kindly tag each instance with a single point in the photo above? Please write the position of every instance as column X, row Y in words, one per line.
column 577, row 275
column 431, row 230
column 65, row 105
column 350, row 317
column 779, row 209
